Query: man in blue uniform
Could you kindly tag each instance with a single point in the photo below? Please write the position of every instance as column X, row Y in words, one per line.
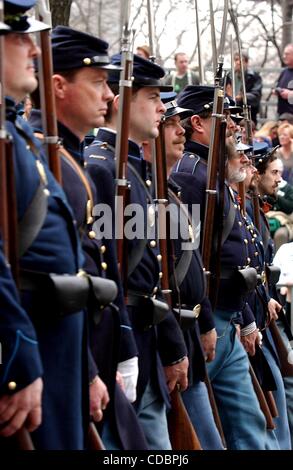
column 160, row 344
column 48, row 243
column 265, row 181
column 229, row 371
column 81, row 65
column 201, row 337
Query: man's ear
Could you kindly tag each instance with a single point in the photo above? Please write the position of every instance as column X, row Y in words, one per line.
column 59, row 85
column 115, row 103
column 196, row 123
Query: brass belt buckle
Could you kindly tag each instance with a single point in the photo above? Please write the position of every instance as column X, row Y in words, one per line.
column 263, row 277
column 196, row 310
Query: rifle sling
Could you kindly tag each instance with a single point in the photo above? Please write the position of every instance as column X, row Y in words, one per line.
column 35, row 214
column 32, row 221
column 228, row 222
column 183, row 264
column 135, row 256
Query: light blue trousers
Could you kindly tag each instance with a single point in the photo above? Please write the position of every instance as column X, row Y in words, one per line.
column 198, row 407
column 242, row 419
column 152, row 416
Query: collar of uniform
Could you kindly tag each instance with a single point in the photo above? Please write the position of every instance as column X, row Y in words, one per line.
column 197, row 148
column 70, row 142
column 35, row 120
column 10, row 109
column 109, row 136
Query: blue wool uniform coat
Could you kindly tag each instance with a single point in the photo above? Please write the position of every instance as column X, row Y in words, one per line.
column 56, row 249
column 157, row 345
column 110, row 333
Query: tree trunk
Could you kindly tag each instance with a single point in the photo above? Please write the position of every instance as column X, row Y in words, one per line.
column 60, row 10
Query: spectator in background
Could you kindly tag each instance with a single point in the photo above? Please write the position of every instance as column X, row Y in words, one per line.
column 285, row 152
column 284, row 88
column 253, row 84
column 143, row 51
column 268, row 133
column 182, row 76
column 280, row 216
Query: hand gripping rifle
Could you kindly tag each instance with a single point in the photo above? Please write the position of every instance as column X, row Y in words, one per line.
column 121, row 148
column 8, row 209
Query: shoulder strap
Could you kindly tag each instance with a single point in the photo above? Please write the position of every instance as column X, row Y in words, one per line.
column 75, row 166
column 229, row 221
column 194, row 159
column 136, row 255
column 32, row 221
column 183, row 264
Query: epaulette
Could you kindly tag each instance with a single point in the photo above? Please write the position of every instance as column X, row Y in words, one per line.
column 187, row 163
column 98, row 157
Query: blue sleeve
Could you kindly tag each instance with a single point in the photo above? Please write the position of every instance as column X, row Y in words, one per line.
column 171, row 344
column 206, row 320
column 21, row 361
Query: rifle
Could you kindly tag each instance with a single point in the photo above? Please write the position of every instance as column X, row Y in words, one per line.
column 266, row 400
column 200, row 64
column 94, row 440
column 261, row 399
column 8, row 209
column 246, row 113
column 213, row 37
column 216, row 159
column 121, row 147
column 232, row 68
column 45, row 64
column 181, row 431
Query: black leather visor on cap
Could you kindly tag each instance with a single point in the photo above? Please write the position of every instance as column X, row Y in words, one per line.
column 101, row 61
column 4, row 28
column 24, row 24
column 172, row 109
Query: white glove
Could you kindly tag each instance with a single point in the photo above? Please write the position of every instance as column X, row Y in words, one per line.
column 129, row 371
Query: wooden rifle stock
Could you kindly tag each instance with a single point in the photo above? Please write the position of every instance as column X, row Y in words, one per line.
column 181, row 432
column 262, row 400
column 215, row 411
column 211, row 191
column 94, row 439
column 285, row 367
column 23, row 440
column 271, row 403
